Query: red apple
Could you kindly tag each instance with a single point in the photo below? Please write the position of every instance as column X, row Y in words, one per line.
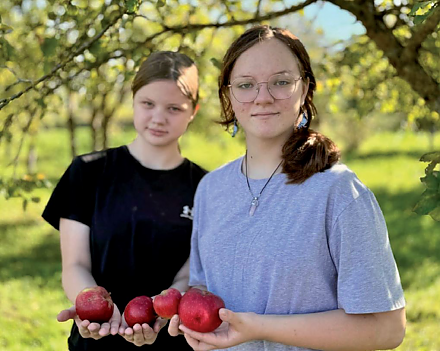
column 167, row 302
column 94, row 304
column 198, row 310
column 139, row 310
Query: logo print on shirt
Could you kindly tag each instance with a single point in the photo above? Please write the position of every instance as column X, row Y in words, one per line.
column 187, row 212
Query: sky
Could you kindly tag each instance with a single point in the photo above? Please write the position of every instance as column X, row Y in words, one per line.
column 337, row 24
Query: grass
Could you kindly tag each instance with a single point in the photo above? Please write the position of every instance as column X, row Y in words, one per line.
column 30, row 269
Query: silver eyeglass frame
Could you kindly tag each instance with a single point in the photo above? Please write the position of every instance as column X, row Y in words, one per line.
column 257, row 88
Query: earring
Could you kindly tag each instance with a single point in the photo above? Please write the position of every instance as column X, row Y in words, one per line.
column 235, row 128
column 303, row 121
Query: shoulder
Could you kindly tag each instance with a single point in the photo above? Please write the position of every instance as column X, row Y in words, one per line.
column 196, row 169
column 224, row 173
column 96, row 159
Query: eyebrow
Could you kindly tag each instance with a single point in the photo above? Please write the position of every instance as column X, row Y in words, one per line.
column 279, row 72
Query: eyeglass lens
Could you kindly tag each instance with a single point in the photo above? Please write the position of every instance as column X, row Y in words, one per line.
column 280, row 86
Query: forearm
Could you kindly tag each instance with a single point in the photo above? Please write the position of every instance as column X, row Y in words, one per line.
column 181, row 279
column 76, row 278
column 331, row 331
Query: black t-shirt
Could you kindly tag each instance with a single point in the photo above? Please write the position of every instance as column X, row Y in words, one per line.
column 140, row 227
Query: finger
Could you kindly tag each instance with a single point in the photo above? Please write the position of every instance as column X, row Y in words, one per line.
column 196, row 344
column 83, row 328
column 114, row 327
column 104, row 330
column 203, row 337
column 65, row 315
column 159, row 324
column 129, row 334
column 173, row 327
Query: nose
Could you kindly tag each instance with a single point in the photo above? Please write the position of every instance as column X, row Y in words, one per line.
column 263, row 94
column 159, row 116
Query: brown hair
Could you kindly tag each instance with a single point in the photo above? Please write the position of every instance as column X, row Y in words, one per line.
column 171, row 65
column 306, row 152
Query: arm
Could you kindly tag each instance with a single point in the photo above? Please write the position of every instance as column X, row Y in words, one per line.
column 328, row 331
column 75, row 258
column 181, row 279
column 76, row 276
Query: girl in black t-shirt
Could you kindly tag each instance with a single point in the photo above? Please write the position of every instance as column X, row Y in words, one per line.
column 125, row 214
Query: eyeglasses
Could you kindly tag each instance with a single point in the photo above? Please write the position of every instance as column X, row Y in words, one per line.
column 280, row 87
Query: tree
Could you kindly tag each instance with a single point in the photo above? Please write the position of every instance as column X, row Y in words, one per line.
column 51, row 44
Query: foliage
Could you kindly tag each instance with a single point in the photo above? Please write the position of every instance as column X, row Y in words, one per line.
column 69, row 64
column 24, row 188
column 429, row 204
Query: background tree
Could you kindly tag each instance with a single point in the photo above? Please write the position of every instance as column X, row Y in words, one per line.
column 70, row 63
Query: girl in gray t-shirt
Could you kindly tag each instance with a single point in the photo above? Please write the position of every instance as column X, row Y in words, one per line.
column 289, row 237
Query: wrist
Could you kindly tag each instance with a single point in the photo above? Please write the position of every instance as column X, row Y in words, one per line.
column 257, row 328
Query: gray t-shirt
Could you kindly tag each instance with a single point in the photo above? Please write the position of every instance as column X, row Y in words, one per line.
column 312, row 247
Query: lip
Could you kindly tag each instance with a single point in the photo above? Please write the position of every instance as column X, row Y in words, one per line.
column 264, row 114
column 157, row 132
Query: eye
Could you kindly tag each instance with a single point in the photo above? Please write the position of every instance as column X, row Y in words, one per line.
column 175, row 109
column 244, row 85
column 147, row 103
column 282, row 82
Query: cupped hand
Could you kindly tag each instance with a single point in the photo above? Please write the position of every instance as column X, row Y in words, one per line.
column 89, row 329
column 235, row 329
column 141, row 334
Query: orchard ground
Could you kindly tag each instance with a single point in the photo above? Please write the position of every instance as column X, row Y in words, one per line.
column 30, row 268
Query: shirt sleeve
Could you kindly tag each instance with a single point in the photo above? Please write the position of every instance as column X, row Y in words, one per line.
column 196, row 271
column 368, row 279
column 74, row 195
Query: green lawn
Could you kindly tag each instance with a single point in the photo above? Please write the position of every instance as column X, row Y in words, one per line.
column 30, row 270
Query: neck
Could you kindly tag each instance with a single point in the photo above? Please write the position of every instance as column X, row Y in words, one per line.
column 262, row 159
column 159, row 158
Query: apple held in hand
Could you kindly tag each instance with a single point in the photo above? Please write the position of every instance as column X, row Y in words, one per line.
column 167, row 302
column 198, row 310
column 139, row 310
column 94, row 304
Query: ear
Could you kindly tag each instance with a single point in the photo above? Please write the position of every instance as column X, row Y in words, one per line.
column 196, row 109
column 305, row 87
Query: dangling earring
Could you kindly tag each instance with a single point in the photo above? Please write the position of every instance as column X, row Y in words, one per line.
column 303, row 121
column 235, row 128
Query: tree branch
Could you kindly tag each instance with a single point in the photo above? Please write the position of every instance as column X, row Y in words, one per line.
column 61, row 65
column 425, row 29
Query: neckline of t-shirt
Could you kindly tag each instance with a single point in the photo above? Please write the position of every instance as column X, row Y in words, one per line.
column 141, row 166
column 242, row 176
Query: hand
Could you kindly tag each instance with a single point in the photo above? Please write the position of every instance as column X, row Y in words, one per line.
column 89, row 329
column 141, row 334
column 235, row 329
column 173, row 327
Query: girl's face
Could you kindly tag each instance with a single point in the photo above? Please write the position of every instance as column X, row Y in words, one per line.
column 161, row 113
column 266, row 117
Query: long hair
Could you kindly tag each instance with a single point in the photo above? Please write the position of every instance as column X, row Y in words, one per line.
column 306, row 152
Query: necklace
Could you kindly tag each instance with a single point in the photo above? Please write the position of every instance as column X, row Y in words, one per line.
column 254, row 202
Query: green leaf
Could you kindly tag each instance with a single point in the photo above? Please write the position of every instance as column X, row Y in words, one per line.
column 431, row 181
column 216, row 63
column 160, row 3
column 420, row 18
column 132, row 6
column 5, row 29
column 435, row 214
column 427, row 204
column 49, row 46
column 431, row 156
column 417, row 6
